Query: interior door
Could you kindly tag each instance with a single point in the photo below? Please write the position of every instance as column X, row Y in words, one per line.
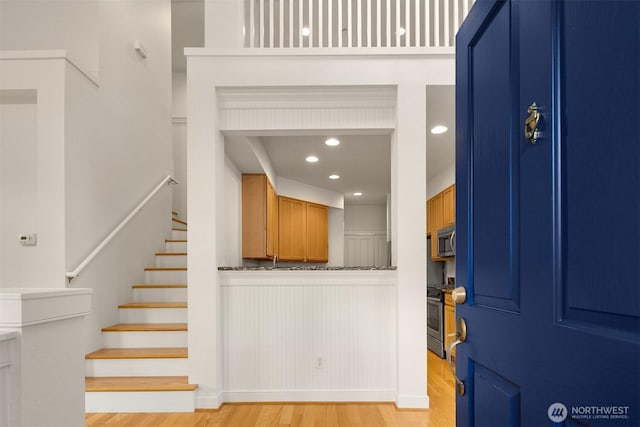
column 548, row 229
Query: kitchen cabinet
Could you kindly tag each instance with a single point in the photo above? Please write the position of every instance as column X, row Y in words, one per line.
column 440, row 213
column 449, row 322
column 317, row 233
column 303, row 231
column 259, row 217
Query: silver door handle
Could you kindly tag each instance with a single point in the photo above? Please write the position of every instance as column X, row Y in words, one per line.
column 452, row 243
column 461, row 336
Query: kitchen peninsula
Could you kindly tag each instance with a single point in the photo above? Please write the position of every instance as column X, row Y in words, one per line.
column 309, row 333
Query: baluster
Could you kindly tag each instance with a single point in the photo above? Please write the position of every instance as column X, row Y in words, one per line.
column 262, row 26
column 407, row 22
column 427, row 23
column 398, row 23
column 300, row 23
column 320, row 23
column 340, row 23
column 330, row 23
column 446, row 23
column 281, row 23
column 436, row 23
column 359, row 22
column 349, row 24
column 252, row 23
column 388, row 35
column 290, row 23
column 310, row 23
column 369, row 32
column 465, row 8
column 417, row 23
column 271, row 29
column 456, row 16
column 378, row 24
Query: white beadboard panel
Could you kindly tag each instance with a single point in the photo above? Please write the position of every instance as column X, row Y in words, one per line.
column 307, row 118
column 338, row 337
column 365, row 250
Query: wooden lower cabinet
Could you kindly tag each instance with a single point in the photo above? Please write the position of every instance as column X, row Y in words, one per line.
column 449, row 322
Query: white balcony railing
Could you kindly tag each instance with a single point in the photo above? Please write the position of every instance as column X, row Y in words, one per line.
column 353, row 23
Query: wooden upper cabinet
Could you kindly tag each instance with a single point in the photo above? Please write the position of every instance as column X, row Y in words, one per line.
column 440, row 213
column 303, row 229
column 259, row 217
column 317, row 233
column 449, row 206
column 291, row 229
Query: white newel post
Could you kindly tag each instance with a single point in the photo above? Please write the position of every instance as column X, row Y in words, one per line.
column 47, row 382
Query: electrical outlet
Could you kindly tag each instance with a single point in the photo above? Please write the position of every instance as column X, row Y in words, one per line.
column 28, row 239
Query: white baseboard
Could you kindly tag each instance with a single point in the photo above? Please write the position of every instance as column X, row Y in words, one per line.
column 310, row 396
column 209, row 400
column 404, row 401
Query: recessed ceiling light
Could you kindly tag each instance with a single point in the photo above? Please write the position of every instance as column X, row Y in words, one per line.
column 401, row 31
column 311, row 159
column 437, row 130
column 332, row 142
column 357, row 194
column 305, row 31
column 334, row 176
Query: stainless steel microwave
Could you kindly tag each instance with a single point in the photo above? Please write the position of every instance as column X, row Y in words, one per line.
column 447, row 241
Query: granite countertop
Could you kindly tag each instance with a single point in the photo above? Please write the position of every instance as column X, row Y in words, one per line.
column 305, row 268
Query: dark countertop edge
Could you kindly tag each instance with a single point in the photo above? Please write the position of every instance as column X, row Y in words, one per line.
column 224, row 268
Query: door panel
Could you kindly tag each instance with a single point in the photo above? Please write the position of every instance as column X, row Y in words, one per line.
column 494, row 281
column 604, row 215
column 548, row 234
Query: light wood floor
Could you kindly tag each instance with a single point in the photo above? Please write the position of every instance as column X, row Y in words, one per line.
column 441, row 414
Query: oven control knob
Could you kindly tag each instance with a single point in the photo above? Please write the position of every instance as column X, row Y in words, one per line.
column 459, row 295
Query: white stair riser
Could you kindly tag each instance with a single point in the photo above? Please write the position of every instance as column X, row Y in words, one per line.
column 165, row 276
column 140, row 401
column 178, row 235
column 144, row 339
column 136, row 367
column 175, row 247
column 159, row 294
column 153, row 315
column 171, row 260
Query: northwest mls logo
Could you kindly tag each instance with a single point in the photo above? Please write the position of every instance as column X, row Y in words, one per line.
column 557, row 412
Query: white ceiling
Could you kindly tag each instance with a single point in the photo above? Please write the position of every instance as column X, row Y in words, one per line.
column 362, row 161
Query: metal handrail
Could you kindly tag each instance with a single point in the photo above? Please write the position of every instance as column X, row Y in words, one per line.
column 75, row 273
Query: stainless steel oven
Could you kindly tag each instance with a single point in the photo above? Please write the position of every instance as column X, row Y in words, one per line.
column 435, row 321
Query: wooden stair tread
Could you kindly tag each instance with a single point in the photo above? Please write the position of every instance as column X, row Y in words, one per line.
column 159, row 286
column 179, row 221
column 179, row 229
column 146, row 327
column 154, row 305
column 174, row 213
column 175, row 240
column 138, row 384
column 171, row 254
column 165, row 269
column 140, row 353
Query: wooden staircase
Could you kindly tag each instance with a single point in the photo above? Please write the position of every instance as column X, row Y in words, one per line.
column 143, row 366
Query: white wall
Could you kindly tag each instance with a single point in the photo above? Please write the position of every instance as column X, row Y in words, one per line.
column 44, row 214
column 72, row 25
column 336, row 237
column 224, row 23
column 297, row 190
column 441, row 181
column 179, row 142
column 232, row 213
column 19, row 194
column 365, row 219
column 118, row 149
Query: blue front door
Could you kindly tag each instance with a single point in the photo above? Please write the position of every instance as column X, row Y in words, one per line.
column 548, row 227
